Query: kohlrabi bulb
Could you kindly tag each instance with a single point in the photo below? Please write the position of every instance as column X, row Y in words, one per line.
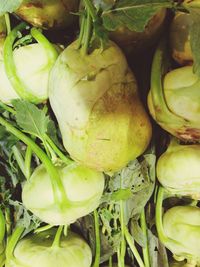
column 178, row 170
column 177, row 103
column 33, row 67
column 133, row 42
column 37, row 250
column 48, row 14
column 181, row 225
column 96, row 102
column 83, row 188
column 181, row 264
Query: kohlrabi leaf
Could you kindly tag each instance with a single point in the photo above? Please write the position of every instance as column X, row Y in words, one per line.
column 22, row 217
column 9, row 6
column 30, row 118
column 133, row 14
column 195, row 37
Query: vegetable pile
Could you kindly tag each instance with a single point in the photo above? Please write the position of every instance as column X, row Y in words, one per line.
column 99, row 133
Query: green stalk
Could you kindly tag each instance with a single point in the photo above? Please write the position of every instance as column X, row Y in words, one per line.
column 65, row 231
column 8, row 221
column 97, row 240
column 50, row 50
column 130, row 242
column 56, row 242
column 10, row 67
column 64, row 158
column 81, row 34
column 123, row 242
column 43, row 228
column 20, row 160
column 57, row 186
column 110, row 262
column 2, row 226
column 91, row 9
column 7, row 19
column 27, row 162
column 122, row 223
column 86, row 35
column 12, row 241
column 159, row 68
column 119, row 257
column 7, row 108
column 161, row 234
column 145, row 249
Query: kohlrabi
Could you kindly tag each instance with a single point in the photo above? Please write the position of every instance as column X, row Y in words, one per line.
column 94, row 96
column 179, row 230
column 48, row 13
column 182, row 225
column 58, row 195
column 178, row 169
column 181, row 264
column 49, row 249
column 24, row 72
column 174, row 101
column 134, row 42
column 83, row 188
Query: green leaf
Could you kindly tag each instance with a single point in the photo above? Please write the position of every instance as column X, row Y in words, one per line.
column 195, row 37
column 133, row 14
column 137, row 233
column 53, row 132
column 9, row 6
column 24, row 218
column 30, row 118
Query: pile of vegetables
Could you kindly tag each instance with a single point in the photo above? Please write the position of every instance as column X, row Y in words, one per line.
column 99, row 133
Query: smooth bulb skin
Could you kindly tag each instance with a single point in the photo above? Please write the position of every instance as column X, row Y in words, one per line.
column 34, row 75
column 37, row 250
column 96, row 102
column 83, row 188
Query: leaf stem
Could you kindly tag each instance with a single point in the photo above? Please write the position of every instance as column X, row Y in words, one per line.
column 50, row 50
column 56, row 242
column 43, row 228
column 122, row 223
column 19, row 158
column 65, row 231
column 145, row 249
column 7, row 108
column 57, row 186
column 10, row 66
column 8, row 221
column 161, row 234
column 81, row 34
column 91, row 9
column 97, row 240
column 27, row 162
column 110, row 261
column 87, row 34
column 12, row 241
column 130, row 242
column 2, row 226
column 123, row 242
column 7, row 19
column 64, row 158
